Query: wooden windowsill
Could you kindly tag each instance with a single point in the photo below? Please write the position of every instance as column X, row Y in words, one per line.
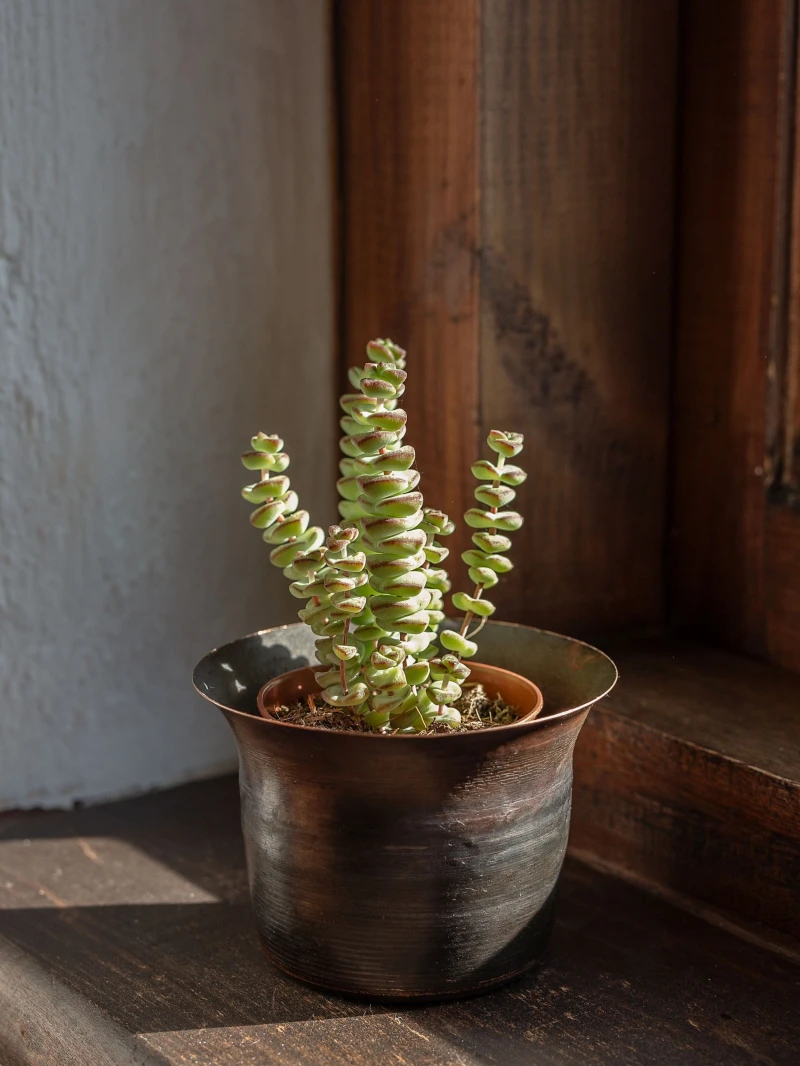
column 688, row 779
column 126, row 937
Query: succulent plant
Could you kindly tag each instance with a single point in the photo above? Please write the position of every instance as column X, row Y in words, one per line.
column 374, row 587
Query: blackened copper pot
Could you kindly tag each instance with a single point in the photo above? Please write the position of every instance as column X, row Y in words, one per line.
column 403, row 867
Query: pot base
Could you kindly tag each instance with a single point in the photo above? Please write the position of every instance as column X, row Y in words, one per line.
column 413, row 998
column 384, row 975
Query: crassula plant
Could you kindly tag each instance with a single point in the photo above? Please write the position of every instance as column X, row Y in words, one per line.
column 374, row 587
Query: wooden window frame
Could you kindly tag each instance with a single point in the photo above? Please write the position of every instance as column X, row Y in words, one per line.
column 561, row 208
column 734, row 574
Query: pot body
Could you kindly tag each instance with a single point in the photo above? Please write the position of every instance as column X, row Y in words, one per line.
column 406, row 867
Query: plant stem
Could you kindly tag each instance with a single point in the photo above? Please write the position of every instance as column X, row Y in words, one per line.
column 342, row 674
column 477, row 628
column 501, row 459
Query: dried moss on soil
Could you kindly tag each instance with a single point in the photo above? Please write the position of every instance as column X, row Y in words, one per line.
column 478, row 711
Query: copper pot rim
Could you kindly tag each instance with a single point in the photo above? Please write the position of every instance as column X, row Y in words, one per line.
column 542, row 721
column 503, row 677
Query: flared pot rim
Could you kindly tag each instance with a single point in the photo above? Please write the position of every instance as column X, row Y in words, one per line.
column 542, row 721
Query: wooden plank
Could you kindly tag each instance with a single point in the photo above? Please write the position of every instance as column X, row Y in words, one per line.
column 408, row 129
column 790, row 459
column 733, row 251
column 782, row 581
column 578, row 150
column 43, row 1022
column 782, row 534
column 164, row 967
column 688, row 777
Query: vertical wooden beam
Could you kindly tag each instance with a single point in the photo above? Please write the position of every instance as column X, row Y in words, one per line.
column 731, row 558
column 782, row 584
column 786, row 443
column 408, row 140
column 577, row 207
column 537, row 139
column 782, row 551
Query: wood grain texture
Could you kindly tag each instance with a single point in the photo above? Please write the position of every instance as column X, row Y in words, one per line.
column 790, row 442
column 782, row 582
column 408, row 144
column 688, row 776
column 166, row 969
column 577, row 218
column 733, row 561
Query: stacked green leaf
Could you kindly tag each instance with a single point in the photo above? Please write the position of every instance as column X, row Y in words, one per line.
column 487, row 560
column 374, row 589
column 379, row 485
column 277, row 512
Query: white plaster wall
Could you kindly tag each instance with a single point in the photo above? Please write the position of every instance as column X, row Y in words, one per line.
column 164, row 291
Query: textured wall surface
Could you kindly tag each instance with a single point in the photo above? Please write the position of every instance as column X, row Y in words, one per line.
column 164, row 291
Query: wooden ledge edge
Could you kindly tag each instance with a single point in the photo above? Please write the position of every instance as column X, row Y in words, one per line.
column 766, row 939
column 43, row 1021
column 704, row 748
column 689, row 819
